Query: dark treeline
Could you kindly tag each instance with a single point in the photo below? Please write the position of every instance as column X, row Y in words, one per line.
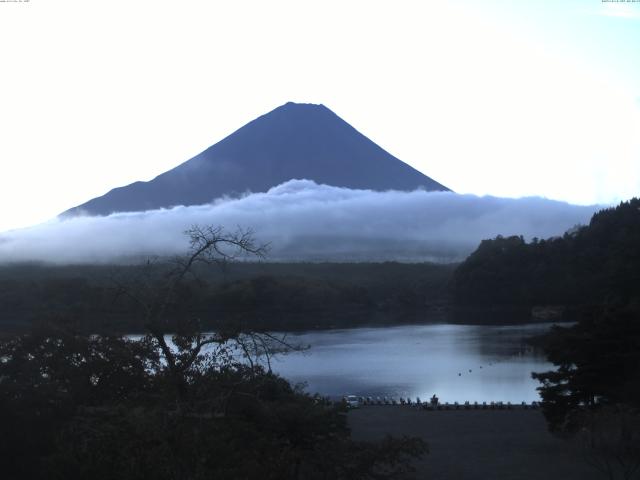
column 75, row 405
column 589, row 265
column 259, row 295
column 594, row 273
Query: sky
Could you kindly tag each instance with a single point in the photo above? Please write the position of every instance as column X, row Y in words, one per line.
column 510, row 99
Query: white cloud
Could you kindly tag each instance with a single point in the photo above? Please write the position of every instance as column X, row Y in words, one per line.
column 302, row 220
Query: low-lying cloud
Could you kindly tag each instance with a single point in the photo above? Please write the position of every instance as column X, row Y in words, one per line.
column 302, row 220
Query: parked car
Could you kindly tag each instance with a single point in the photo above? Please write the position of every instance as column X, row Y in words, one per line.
column 352, row 401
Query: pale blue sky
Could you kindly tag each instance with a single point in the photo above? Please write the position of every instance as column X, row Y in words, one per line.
column 605, row 35
column 509, row 98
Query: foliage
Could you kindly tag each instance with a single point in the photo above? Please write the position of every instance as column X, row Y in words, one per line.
column 260, row 295
column 104, row 407
column 588, row 265
column 595, row 270
column 189, row 405
column 597, row 360
column 48, row 375
column 595, row 391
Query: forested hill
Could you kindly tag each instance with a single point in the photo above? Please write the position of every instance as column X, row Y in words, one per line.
column 294, row 296
column 594, row 264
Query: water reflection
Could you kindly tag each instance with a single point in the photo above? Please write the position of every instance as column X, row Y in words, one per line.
column 457, row 362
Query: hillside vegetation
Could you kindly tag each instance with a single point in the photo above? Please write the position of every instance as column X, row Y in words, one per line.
column 589, row 265
column 257, row 295
column 593, row 272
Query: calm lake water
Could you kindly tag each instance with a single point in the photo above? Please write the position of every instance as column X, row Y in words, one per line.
column 456, row 362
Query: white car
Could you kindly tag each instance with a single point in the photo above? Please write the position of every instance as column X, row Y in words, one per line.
column 352, row 401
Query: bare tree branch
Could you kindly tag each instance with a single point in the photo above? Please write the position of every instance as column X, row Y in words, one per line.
column 154, row 293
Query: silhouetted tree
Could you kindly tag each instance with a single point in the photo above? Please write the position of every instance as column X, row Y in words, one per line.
column 74, row 405
column 597, row 361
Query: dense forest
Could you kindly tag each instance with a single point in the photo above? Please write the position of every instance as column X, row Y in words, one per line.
column 257, row 294
column 589, row 265
column 593, row 272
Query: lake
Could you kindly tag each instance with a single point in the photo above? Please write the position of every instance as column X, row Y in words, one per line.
column 456, row 362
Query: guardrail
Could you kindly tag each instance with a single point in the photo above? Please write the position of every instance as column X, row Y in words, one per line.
column 430, row 405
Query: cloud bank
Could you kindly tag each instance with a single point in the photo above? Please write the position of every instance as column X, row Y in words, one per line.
column 305, row 221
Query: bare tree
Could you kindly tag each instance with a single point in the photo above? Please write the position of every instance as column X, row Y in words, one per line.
column 154, row 289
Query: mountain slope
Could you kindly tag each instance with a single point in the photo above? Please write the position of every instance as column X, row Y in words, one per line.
column 293, row 141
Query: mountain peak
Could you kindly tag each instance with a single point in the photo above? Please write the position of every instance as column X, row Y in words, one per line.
column 295, row 109
column 295, row 140
column 297, row 104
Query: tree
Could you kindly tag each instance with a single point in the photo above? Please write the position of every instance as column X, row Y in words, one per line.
column 597, row 361
column 594, row 394
column 155, row 290
column 74, row 405
column 592, row 265
column 49, row 376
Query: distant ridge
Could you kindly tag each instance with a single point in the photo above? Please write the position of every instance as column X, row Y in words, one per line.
column 293, row 141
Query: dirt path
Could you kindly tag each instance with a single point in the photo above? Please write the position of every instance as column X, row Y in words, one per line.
column 477, row 444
